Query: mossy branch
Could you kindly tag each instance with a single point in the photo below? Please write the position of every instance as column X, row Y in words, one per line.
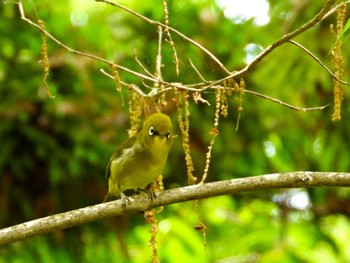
column 198, row 191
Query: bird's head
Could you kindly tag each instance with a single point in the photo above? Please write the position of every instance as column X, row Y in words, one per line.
column 157, row 132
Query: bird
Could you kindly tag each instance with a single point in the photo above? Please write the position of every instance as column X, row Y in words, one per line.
column 141, row 159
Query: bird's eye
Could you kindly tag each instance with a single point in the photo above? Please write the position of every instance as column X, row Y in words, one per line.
column 151, row 131
column 168, row 135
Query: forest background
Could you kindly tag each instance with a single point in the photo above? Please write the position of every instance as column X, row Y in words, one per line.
column 56, row 139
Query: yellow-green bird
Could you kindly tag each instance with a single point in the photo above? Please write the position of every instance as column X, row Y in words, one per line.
column 141, row 159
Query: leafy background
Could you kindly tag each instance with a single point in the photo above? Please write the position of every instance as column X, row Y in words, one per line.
column 54, row 151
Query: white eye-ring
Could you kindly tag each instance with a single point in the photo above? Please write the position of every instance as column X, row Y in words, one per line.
column 151, row 131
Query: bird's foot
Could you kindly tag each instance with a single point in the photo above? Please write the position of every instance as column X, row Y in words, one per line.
column 125, row 200
column 151, row 194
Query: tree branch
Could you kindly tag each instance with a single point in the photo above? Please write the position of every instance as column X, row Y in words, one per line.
column 292, row 34
column 198, row 87
column 296, row 108
column 37, row 26
column 318, row 61
column 325, row 11
column 183, row 194
column 157, row 23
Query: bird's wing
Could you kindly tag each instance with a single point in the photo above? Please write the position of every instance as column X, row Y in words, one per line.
column 126, row 145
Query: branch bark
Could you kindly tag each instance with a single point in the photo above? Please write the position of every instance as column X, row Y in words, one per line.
column 142, row 202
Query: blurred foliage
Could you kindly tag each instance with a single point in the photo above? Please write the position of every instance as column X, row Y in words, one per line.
column 54, row 151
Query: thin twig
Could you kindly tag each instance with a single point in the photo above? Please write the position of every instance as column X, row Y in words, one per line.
column 170, row 86
column 141, row 65
column 292, row 34
column 198, row 87
column 241, row 73
column 318, row 61
column 334, row 9
column 23, row 17
column 166, row 85
column 284, row 103
column 157, row 23
column 197, row 71
column 140, row 92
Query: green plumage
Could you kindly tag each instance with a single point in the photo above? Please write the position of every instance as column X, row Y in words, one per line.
column 141, row 159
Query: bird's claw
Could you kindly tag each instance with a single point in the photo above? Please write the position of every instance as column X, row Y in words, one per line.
column 125, row 200
column 151, row 194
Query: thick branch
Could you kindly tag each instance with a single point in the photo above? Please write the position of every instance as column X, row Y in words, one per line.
column 183, row 194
